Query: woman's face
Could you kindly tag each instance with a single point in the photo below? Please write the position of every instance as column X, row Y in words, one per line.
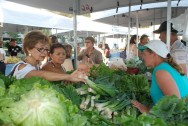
column 148, row 58
column 39, row 52
column 58, row 56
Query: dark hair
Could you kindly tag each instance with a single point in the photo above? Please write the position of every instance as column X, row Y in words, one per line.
column 55, row 46
column 68, row 50
column 91, row 39
column 106, row 46
column 32, row 38
column 12, row 40
column 54, row 39
column 133, row 38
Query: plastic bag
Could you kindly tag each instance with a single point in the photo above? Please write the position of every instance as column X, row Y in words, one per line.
column 180, row 23
column 117, row 63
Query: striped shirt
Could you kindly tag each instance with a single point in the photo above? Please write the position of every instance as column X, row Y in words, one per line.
column 179, row 53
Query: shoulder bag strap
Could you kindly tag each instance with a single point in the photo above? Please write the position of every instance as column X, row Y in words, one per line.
column 12, row 71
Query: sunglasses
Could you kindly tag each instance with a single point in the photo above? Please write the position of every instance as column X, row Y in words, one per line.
column 41, row 50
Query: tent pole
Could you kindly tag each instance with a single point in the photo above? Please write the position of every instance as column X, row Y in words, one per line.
column 154, row 25
column 168, row 24
column 128, row 42
column 137, row 32
column 75, row 12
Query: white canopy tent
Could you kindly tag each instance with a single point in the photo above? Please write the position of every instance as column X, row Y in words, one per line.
column 88, row 6
column 144, row 7
column 24, row 15
column 13, row 13
column 85, row 6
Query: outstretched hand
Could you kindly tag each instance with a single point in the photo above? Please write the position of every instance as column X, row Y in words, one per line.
column 78, row 76
column 142, row 108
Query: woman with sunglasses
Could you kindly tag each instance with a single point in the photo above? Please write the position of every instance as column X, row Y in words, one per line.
column 34, row 46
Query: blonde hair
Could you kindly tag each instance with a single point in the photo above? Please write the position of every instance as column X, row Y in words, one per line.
column 171, row 61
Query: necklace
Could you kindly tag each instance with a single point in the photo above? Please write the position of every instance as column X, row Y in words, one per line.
column 61, row 68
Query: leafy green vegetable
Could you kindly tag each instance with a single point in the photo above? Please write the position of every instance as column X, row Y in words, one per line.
column 102, row 89
column 172, row 110
column 43, row 106
column 2, row 87
column 133, row 62
column 71, row 94
column 39, row 108
column 8, row 80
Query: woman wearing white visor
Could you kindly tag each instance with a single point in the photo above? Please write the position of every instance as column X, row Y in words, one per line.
column 168, row 77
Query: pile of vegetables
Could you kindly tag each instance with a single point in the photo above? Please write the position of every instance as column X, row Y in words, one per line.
column 136, row 63
column 105, row 100
column 12, row 59
column 34, row 102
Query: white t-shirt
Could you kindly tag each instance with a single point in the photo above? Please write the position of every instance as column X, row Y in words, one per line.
column 19, row 74
column 68, row 65
column 2, row 51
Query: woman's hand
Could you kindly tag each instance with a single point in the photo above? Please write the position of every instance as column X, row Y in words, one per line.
column 77, row 76
column 142, row 108
column 82, row 67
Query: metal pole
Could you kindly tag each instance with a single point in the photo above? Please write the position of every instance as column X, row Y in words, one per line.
column 56, row 32
column 75, row 11
column 168, row 24
column 137, row 32
column 154, row 25
column 128, row 42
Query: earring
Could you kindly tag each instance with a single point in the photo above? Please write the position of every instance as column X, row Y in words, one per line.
column 29, row 54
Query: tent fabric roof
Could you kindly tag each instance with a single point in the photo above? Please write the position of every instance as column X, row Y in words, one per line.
column 125, row 9
column 155, row 15
column 13, row 13
column 85, row 6
column 42, row 18
column 145, row 17
column 30, row 16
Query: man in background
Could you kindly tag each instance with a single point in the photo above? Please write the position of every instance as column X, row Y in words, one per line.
column 90, row 54
column 177, row 48
column 13, row 49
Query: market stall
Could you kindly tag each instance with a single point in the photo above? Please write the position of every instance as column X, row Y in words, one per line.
column 105, row 100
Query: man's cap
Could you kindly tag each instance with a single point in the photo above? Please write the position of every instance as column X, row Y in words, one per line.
column 162, row 28
column 157, row 46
